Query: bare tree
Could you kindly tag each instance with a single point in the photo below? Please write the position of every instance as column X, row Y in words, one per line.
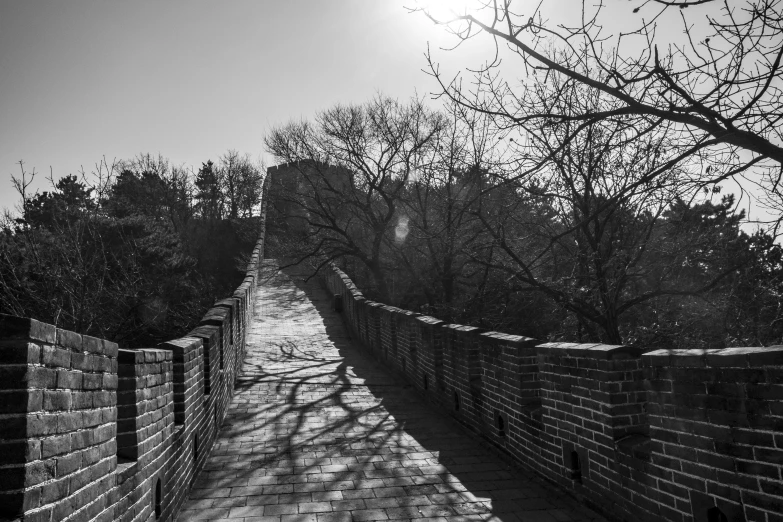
column 445, row 233
column 347, row 174
column 582, row 218
column 240, row 181
column 721, row 82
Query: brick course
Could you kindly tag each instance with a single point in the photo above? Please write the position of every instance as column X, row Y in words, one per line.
column 89, row 431
column 663, row 435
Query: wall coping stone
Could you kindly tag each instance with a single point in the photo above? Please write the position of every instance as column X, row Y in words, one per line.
column 13, row 327
column 153, row 355
column 183, row 343
column 352, row 288
column 217, row 314
column 227, row 302
column 408, row 313
column 742, row 357
column 99, row 346
column 431, row 321
column 69, row 339
column 205, row 331
column 595, row 350
column 520, row 340
column 144, row 355
column 463, row 328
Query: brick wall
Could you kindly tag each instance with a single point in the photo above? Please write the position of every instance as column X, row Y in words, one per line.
column 430, row 371
column 58, row 394
column 89, row 431
column 683, row 435
column 716, row 422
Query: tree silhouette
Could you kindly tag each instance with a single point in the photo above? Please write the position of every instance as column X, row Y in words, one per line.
column 721, row 83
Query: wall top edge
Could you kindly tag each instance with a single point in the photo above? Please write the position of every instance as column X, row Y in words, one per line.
column 183, row 343
column 15, row 327
column 391, row 309
column 462, row 328
column 407, row 313
column 513, row 339
column 216, row 313
column 741, row 356
column 720, row 357
column 595, row 350
column 433, row 321
column 28, row 329
column 205, row 331
column 144, row 355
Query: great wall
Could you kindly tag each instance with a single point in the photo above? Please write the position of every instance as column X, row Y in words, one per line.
column 92, row 432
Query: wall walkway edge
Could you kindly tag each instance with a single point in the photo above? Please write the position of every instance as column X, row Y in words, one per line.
column 682, row 435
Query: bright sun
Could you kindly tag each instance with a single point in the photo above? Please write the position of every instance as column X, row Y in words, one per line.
column 444, row 10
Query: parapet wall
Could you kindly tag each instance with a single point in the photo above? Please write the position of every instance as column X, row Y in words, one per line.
column 675, row 435
column 89, row 431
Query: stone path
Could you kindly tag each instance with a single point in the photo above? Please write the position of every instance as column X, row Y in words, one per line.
column 318, row 432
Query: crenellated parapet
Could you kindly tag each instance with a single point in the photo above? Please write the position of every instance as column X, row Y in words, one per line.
column 58, row 398
column 716, row 428
column 89, row 431
column 683, row 435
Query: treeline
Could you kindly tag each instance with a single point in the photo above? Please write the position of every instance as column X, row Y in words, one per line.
column 605, row 231
column 134, row 253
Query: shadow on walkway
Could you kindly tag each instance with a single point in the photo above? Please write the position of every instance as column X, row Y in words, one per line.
column 319, row 431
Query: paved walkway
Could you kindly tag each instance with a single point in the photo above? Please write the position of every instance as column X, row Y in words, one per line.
column 318, row 432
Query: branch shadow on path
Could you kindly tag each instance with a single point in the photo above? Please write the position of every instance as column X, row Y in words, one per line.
column 318, row 430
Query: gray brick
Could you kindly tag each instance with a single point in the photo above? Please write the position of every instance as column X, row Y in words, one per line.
column 292, row 443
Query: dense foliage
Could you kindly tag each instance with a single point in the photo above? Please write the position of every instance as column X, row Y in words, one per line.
column 573, row 232
column 138, row 255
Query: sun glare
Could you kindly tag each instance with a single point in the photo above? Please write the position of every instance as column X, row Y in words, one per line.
column 444, row 10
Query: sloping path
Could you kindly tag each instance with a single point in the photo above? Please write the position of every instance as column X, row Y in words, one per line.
column 318, row 432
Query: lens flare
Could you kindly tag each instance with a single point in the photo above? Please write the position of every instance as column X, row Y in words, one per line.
column 401, row 230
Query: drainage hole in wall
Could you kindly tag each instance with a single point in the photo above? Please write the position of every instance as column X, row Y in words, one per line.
column 501, row 423
column 426, row 381
column 456, row 401
column 576, row 467
column 158, row 500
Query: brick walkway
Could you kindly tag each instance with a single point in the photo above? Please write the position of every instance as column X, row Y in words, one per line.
column 317, row 431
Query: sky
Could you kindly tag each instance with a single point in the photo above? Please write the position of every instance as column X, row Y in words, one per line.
column 82, row 80
column 85, row 79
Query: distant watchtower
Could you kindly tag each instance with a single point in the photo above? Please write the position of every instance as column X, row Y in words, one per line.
column 299, row 190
